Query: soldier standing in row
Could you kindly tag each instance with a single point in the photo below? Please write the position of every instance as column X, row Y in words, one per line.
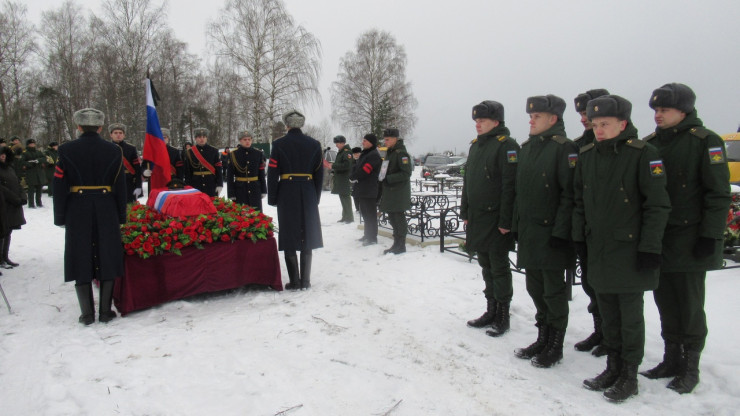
column 621, row 209
column 90, row 202
column 395, row 178
column 294, row 183
column 51, row 160
column 695, row 160
column 131, row 161
column 542, row 220
column 203, row 168
column 487, row 208
column 593, row 341
column 33, row 163
column 365, row 178
column 245, row 173
column 341, row 169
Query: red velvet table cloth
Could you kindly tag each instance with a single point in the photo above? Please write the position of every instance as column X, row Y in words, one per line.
column 218, row 266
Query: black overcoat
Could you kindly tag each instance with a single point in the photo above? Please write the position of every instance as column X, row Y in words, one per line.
column 91, row 216
column 10, row 187
column 132, row 169
column 199, row 176
column 245, row 176
column 366, row 173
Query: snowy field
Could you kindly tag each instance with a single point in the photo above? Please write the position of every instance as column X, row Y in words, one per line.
column 376, row 335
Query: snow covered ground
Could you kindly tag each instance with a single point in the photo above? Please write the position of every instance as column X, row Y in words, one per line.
column 376, row 335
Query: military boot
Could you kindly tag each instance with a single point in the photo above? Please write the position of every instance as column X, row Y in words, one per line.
column 500, row 325
column 87, row 304
column 536, row 347
column 689, row 376
column 551, row 355
column 670, row 365
column 488, row 316
column 306, row 258
column 106, row 300
column 400, row 245
column 392, row 249
column 608, row 377
column 593, row 340
column 6, row 250
column 625, row 386
column 291, row 263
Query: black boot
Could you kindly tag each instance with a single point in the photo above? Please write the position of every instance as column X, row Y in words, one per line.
column 106, row 301
column 87, row 305
column 625, row 386
column 400, row 245
column 554, row 351
column 536, row 347
column 291, row 263
column 6, row 250
column 594, row 339
column 488, row 316
column 392, row 249
column 670, row 365
column 306, row 257
column 608, row 377
column 501, row 325
column 689, row 376
column 599, row 351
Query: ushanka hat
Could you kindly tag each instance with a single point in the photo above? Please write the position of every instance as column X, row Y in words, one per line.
column 293, row 119
column 674, row 95
column 200, row 132
column 117, row 126
column 546, row 104
column 609, row 106
column 87, row 117
column 165, row 132
column 340, row 139
column 493, row 110
column 582, row 99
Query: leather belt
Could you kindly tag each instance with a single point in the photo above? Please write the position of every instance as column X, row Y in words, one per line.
column 89, row 189
column 246, row 179
column 296, row 176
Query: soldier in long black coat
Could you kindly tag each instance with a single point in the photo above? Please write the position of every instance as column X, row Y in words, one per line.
column 365, row 178
column 131, row 161
column 245, row 174
column 90, row 202
column 203, row 167
column 294, row 179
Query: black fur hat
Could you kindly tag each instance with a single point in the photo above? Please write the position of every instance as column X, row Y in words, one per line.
column 609, row 106
column 340, row 139
column 674, row 95
column 582, row 99
column 391, row 132
column 493, row 110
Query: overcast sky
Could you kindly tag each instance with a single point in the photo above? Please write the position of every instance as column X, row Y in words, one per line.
column 466, row 51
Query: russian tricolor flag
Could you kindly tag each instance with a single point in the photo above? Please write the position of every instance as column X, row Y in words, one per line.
column 155, row 149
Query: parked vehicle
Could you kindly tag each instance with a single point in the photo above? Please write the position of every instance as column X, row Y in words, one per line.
column 453, row 169
column 432, row 162
column 732, row 143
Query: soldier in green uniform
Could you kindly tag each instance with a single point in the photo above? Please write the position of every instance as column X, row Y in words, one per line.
column 699, row 187
column 593, row 341
column 395, row 178
column 33, row 163
column 487, row 207
column 51, row 160
column 341, row 168
column 542, row 221
column 621, row 209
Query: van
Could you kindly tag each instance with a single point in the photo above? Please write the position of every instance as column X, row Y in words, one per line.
column 732, row 143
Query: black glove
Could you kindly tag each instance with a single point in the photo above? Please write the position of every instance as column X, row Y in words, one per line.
column 704, row 247
column 648, row 261
column 558, row 243
column 515, row 236
column 581, row 250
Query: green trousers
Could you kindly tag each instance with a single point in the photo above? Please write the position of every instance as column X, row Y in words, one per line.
column 623, row 324
column 398, row 223
column 496, row 275
column 549, row 293
column 347, row 214
column 680, row 301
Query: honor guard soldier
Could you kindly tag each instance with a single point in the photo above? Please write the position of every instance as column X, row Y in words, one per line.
column 177, row 167
column 341, row 169
column 593, row 341
column 131, row 161
column 294, row 180
column 245, row 174
column 203, row 168
column 395, row 179
column 621, row 209
column 542, row 221
column 487, row 208
column 90, row 202
column 698, row 176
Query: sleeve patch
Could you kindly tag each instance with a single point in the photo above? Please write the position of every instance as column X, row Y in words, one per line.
column 405, row 160
column 656, row 168
column 511, row 156
column 572, row 159
column 716, row 155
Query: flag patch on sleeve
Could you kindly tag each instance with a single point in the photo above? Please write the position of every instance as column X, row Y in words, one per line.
column 572, row 159
column 656, row 168
column 716, row 155
column 405, row 160
column 511, row 156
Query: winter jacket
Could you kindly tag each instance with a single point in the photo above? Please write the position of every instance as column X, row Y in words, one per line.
column 366, row 173
column 33, row 162
column 342, row 168
column 13, row 195
column 396, row 193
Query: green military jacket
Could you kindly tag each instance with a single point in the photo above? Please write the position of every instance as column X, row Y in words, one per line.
column 544, row 200
column 342, row 167
column 33, row 163
column 621, row 207
column 699, row 187
column 586, row 138
column 396, row 194
column 487, row 200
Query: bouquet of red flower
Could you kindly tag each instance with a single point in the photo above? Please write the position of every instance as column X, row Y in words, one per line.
column 732, row 232
column 149, row 233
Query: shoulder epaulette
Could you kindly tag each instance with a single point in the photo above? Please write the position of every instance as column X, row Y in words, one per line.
column 586, row 148
column 559, row 139
column 650, row 137
column 474, row 140
column 700, row 132
column 637, row 144
column 502, row 137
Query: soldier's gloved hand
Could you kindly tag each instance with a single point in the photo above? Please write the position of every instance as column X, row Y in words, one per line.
column 233, row 198
column 581, row 250
column 147, row 172
column 353, row 181
column 218, row 190
column 704, row 247
column 263, row 196
column 137, row 192
column 557, row 242
column 648, row 261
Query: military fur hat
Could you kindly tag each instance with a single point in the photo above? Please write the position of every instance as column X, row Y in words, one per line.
column 391, row 132
column 52, row 144
column 489, row 109
column 674, row 95
column 371, row 138
column 293, row 119
column 165, row 132
column 88, row 117
column 356, row 150
column 30, row 141
column 244, row 133
column 200, row 131
column 546, row 104
column 340, row 139
column 609, row 106
column 117, row 126
column 582, row 99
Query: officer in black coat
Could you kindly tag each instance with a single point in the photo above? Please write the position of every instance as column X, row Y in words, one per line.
column 131, row 161
column 245, row 174
column 365, row 178
column 177, row 167
column 294, row 179
column 90, row 202
column 203, row 167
